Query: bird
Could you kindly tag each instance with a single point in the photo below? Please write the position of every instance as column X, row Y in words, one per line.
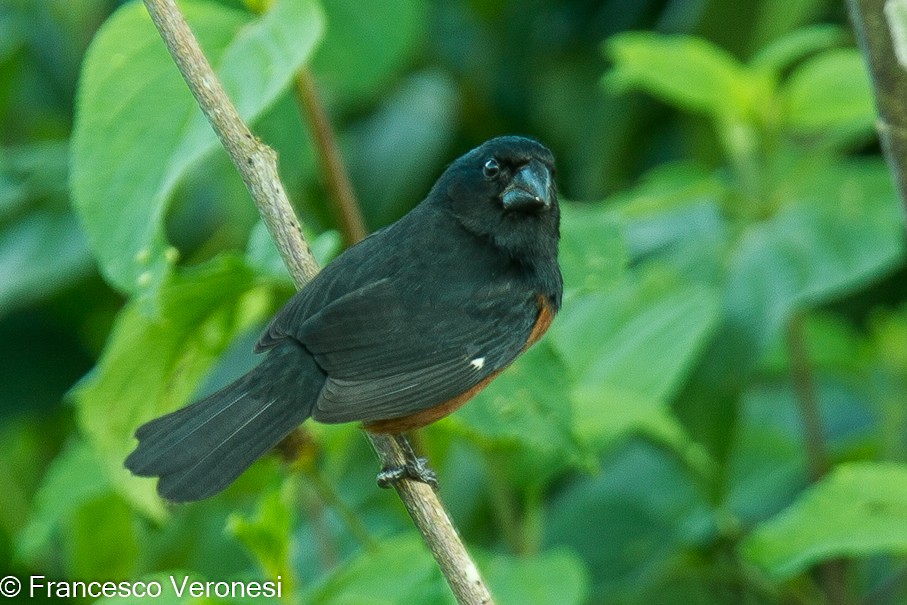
column 398, row 331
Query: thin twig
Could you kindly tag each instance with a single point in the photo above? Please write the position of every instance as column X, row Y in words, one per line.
column 300, row 452
column 336, row 178
column 329, row 496
column 314, row 506
column 257, row 164
column 831, row 573
column 805, row 389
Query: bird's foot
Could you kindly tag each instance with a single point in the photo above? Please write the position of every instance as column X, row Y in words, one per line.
column 414, row 468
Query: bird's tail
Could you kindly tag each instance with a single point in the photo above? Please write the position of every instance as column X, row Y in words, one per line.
column 199, row 450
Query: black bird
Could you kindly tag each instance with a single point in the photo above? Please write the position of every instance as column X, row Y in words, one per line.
column 398, row 331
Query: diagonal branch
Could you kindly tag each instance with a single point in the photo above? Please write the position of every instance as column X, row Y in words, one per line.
column 257, row 164
column 255, row 161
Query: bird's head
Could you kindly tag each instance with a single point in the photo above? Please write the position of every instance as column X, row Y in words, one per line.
column 504, row 190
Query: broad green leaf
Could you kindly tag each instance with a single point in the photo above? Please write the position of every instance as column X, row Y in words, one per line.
column 593, row 253
column 796, row 45
column 138, row 129
column 628, row 351
column 641, row 337
column 830, row 94
column 669, row 188
column 556, row 577
column 152, row 365
column 76, row 472
column 676, row 214
column 685, row 71
column 857, row 510
column 631, row 521
column 767, row 463
column 364, row 49
column 527, row 412
column 833, row 344
column 102, row 540
column 606, row 416
column 772, row 19
column 42, row 248
column 400, row 570
column 840, row 230
column 41, row 253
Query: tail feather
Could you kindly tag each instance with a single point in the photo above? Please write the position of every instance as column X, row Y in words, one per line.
column 199, row 450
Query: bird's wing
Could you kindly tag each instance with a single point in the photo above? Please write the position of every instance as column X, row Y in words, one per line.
column 389, row 352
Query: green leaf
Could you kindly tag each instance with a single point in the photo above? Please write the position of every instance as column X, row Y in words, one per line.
column 556, row 577
column 685, row 71
column 102, row 539
column 833, row 344
column 593, row 253
column 830, row 93
column 400, row 570
column 858, row 510
column 364, row 49
column 526, row 407
column 152, row 365
column 767, row 463
column 263, row 256
column 888, row 330
column 675, row 214
column 76, row 472
column 796, row 45
column 630, row 522
column 138, row 129
column 40, row 253
column 669, row 188
column 647, row 334
column 42, row 248
column 840, row 230
column 610, row 415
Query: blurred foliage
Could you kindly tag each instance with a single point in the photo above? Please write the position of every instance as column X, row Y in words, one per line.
column 734, row 256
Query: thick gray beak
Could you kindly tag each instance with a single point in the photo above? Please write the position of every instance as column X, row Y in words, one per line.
column 529, row 190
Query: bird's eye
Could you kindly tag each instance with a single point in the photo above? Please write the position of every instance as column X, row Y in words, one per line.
column 491, row 168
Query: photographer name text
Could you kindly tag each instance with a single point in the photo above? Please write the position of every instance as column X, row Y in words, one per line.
column 177, row 585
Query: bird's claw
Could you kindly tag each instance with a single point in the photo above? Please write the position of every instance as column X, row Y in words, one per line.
column 416, row 470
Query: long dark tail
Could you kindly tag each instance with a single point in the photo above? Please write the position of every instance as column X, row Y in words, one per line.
column 199, row 450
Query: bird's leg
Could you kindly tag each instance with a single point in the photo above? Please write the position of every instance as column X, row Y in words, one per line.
column 413, row 467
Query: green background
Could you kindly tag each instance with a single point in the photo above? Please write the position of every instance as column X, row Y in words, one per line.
column 718, row 415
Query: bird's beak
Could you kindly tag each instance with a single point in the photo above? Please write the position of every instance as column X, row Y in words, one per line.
column 529, row 189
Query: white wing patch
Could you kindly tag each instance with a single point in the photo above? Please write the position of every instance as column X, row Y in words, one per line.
column 477, row 363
